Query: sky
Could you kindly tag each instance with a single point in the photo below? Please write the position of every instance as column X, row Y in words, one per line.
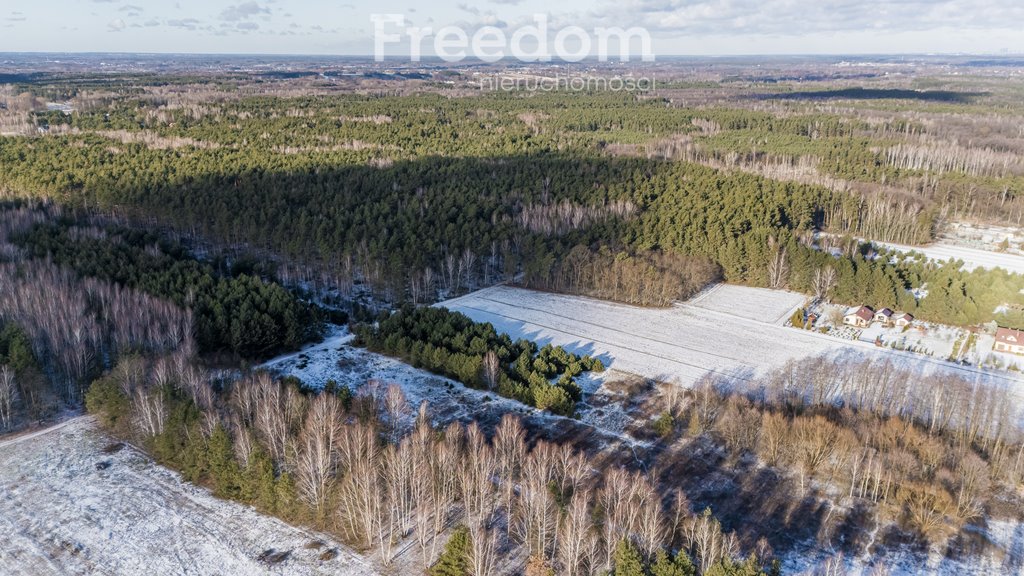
column 676, row 27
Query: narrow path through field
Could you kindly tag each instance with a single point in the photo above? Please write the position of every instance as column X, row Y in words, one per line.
column 18, row 438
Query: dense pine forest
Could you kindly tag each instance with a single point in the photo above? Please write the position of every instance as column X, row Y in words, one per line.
column 476, row 355
column 415, row 196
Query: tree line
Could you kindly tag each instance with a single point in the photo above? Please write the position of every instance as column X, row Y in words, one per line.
column 650, row 278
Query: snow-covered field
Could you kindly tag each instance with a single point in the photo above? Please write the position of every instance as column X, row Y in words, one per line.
column 758, row 304
column 681, row 343
column 59, row 514
column 971, row 257
column 732, row 331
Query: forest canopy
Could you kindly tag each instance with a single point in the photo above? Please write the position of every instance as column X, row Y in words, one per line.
column 423, row 196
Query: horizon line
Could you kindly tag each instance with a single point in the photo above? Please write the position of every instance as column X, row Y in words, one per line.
column 512, row 59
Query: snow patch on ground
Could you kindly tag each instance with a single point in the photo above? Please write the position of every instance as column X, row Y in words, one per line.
column 60, row 514
column 336, row 359
column 972, row 257
column 1003, row 554
column 448, row 401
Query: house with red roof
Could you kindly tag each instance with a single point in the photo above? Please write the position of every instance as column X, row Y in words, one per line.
column 860, row 317
column 1011, row 341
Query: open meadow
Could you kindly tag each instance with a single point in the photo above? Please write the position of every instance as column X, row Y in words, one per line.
column 71, row 504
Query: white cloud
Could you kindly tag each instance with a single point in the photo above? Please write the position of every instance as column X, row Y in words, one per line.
column 243, row 11
column 482, row 17
column 186, row 23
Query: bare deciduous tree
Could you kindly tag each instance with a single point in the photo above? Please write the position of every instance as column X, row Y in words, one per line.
column 361, row 501
column 269, row 417
column 483, row 549
column 423, row 485
column 8, row 395
column 150, row 411
column 772, row 438
column 575, row 533
column 467, row 270
column 510, row 450
column 823, row 282
column 479, row 466
column 447, row 467
column 703, row 535
column 705, row 406
column 317, row 451
column 396, row 408
column 778, row 265
column 613, row 498
column 535, row 520
column 491, row 369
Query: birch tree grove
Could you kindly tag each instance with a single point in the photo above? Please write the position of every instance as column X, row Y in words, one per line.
column 80, row 322
column 345, row 470
column 71, row 329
